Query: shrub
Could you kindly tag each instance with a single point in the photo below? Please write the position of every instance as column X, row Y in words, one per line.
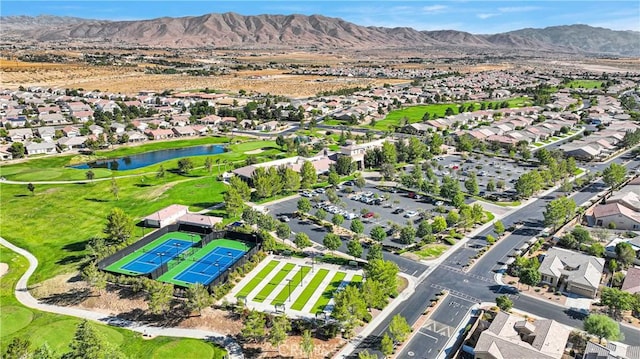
column 449, row 240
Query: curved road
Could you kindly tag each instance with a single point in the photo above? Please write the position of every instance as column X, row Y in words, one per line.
column 24, row 297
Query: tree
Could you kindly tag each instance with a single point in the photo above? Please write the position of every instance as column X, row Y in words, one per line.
column 17, row 150
column 616, row 300
column 198, row 298
column 386, row 345
column 44, row 352
column 307, row 343
column 528, row 184
column 384, row 272
column 185, row 165
column 388, row 171
column 279, row 329
column 161, row 172
column 208, row 164
column 389, row 153
column 436, row 143
column 603, row 327
column 345, row 165
column 491, row 239
column 354, row 248
column 332, row 241
column 530, row 276
column 95, row 277
column 115, row 189
column 86, row 343
column 452, row 218
column 308, row 175
column 18, row 348
column 559, row 211
column 337, row 219
column 119, row 226
column 233, row 202
column 498, row 227
column 90, row 175
column 302, row 240
column 283, row 230
column 450, row 187
column 359, row 181
column 399, row 328
column 378, row 233
column 375, row 252
column 424, row 228
column 357, row 226
column 321, row 214
column 333, row 178
column 349, row 308
column 160, row 296
column 504, row 303
column 581, row 234
column 596, row 250
column 471, row 184
column 625, row 254
column 439, row 224
column 407, row 234
column 614, row 175
column 291, row 180
column 491, row 186
column 253, row 329
column 304, row 205
column 31, row 188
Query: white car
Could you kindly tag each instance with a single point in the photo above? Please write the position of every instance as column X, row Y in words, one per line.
column 410, row 214
column 307, row 194
column 320, row 190
column 439, row 203
column 350, row 216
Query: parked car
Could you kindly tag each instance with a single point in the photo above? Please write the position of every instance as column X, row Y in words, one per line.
column 307, row 194
column 368, row 215
column 397, row 211
column 350, row 216
column 410, row 214
column 439, row 203
column 320, row 190
column 285, row 219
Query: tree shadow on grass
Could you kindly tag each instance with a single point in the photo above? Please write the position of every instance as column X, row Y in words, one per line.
column 172, row 318
column 70, row 260
column 73, row 297
column 97, row 200
column 143, row 185
column 76, row 246
column 20, row 195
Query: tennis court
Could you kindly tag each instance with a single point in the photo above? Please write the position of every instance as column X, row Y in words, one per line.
column 148, row 258
column 155, row 257
column 209, row 267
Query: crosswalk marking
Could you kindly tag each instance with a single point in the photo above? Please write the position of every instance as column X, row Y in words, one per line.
column 457, row 294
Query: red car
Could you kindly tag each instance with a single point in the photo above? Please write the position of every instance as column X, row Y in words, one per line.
column 368, row 215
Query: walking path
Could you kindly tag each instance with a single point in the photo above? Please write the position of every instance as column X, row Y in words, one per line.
column 24, row 297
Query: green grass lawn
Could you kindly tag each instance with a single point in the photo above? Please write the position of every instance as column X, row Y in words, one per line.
column 295, row 281
column 308, row 291
column 58, row 330
column 585, row 84
column 273, row 283
column 431, row 251
column 415, row 113
column 328, row 291
column 257, row 279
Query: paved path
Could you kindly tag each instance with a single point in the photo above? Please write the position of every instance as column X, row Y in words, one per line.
column 24, row 297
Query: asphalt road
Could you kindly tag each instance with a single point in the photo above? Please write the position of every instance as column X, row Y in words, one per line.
column 478, row 284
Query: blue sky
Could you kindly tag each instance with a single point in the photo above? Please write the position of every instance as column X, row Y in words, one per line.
column 478, row 17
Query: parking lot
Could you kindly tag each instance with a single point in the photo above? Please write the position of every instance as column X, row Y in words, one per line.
column 486, row 168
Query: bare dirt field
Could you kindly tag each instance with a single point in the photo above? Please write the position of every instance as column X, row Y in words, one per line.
column 130, row 80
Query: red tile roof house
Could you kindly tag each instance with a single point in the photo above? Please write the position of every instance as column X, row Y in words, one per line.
column 184, row 131
column 166, row 216
column 159, row 134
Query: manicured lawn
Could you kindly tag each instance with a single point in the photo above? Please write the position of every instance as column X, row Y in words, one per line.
column 188, row 348
column 273, row 283
column 431, row 251
column 356, row 279
column 415, row 113
column 309, row 289
column 58, row 330
column 161, row 145
column 295, row 281
column 257, row 279
column 585, row 84
column 328, row 291
column 538, row 144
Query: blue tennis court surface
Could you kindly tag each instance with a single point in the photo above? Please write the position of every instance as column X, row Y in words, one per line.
column 154, row 258
column 209, row 267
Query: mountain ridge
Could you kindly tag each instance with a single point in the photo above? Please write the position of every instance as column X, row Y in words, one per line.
column 295, row 30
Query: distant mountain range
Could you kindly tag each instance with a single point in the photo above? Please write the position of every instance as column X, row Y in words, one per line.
column 287, row 31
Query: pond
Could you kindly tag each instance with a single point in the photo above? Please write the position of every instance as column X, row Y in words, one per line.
column 149, row 158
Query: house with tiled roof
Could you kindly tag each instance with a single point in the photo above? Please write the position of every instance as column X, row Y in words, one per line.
column 611, row 350
column 617, row 213
column 511, row 336
column 631, row 282
column 572, row 272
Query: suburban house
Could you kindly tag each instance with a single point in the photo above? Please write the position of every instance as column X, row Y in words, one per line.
column 47, row 133
column 511, row 336
column 166, row 216
column 184, row 131
column 572, row 272
column 610, row 248
column 71, row 131
column 5, row 155
column 615, row 215
column 69, row 143
column 612, row 350
column 96, row 130
column 118, row 128
column 20, row 134
column 159, row 134
column 631, row 282
column 52, row 118
column 135, row 136
column 35, row 148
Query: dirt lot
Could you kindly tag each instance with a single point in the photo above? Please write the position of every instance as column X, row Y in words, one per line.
column 130, row 80
column 69, row 290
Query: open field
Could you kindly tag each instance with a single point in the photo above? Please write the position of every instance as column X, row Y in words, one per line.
column 585, row 84
column 130, row 80
column 415, row 113
column 57, row 330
